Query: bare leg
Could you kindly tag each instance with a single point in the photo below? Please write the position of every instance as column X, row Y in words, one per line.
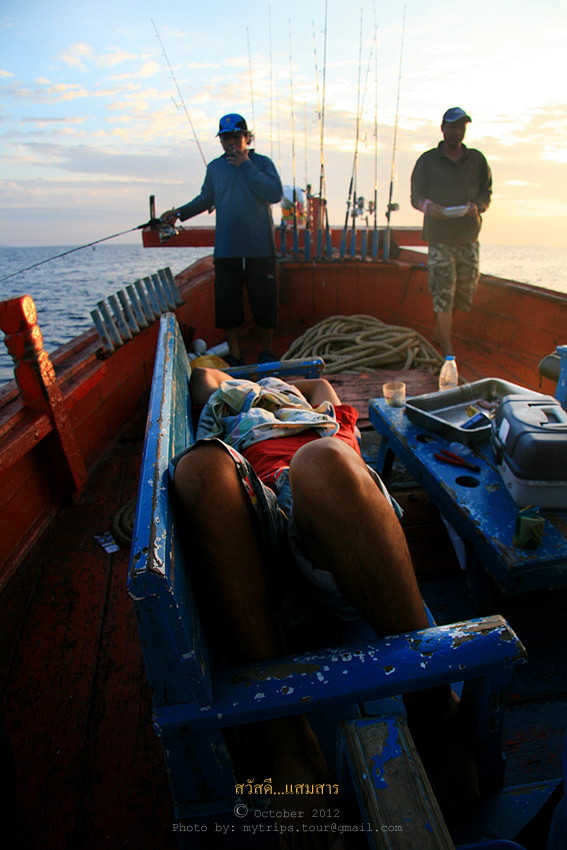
column 229, row 577
column 233, row 338
column 227, row 568
column 266, row 337
column 442, row 331
column 348, row 527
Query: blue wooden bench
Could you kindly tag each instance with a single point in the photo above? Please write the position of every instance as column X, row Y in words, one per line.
column 196, row 703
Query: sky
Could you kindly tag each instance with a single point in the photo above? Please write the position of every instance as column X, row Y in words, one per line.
column 104, row 104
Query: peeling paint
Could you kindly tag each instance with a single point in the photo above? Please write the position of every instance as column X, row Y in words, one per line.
column 276, row 671
column 391, row 750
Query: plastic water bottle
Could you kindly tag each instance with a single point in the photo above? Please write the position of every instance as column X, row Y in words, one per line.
column 449, row 374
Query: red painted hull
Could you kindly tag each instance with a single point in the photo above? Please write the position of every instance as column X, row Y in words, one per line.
column 511, row 327
column 75, row 699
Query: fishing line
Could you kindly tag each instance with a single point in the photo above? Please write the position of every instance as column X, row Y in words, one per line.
column 72, row 250
column 353, row 174
column 375, row 234
column 295, row 234
column 391, row 206
column 271, row 85
column 250, row 74
column 307, row 196
column 358, row 203
column 180, row 95
column 322, row 211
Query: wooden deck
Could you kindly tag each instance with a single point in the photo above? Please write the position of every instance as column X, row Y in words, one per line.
column 74, row 697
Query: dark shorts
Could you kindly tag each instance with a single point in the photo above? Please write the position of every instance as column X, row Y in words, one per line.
column 258, row 275
column 453, row 275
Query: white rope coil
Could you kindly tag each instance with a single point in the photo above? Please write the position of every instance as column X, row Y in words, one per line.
column 359, row 343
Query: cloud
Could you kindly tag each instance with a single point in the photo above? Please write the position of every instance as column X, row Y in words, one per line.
column 148, row 69
column 114, row 57
column 75, row 54
column 4, row 73
column 43, row 120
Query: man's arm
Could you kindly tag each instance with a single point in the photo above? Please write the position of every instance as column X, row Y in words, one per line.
column 205, row 381
column 263, row 178
column 418, row 185
column 317, row 390
column 205, row 200
column 484, row 196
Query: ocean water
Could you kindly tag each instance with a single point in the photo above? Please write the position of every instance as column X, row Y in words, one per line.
column 66, row 289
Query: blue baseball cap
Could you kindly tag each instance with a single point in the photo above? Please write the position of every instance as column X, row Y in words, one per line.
column 232, row 123
column 455, row 114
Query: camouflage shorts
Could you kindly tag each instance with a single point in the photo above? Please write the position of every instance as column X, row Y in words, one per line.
column 453, row 275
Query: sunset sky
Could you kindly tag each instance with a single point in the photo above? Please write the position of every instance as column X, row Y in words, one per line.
column 92, row 121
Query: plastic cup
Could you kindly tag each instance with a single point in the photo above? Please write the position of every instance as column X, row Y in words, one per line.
column 395, row 393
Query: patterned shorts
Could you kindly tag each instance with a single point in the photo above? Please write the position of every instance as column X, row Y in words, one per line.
column 453, row 275
column 278, row 533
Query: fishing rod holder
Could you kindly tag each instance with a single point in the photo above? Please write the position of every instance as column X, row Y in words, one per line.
column 130, row 311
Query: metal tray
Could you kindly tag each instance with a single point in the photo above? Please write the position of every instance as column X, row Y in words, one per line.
column 444, row 412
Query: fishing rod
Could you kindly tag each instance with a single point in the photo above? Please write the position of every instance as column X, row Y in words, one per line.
column 250, row 74
column 356, row 206
column 350, row 189
column 393, row 207
column 375, row 210
column 283, row 248
column 295, row 233
column 307, row 245
column 271, row 85
column 322, row 212
column 358, row 210
column 355, row 163
column 180, row 95
column 80, row 248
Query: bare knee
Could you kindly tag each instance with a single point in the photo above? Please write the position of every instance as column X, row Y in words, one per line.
column 327, row 466
column 204, row 475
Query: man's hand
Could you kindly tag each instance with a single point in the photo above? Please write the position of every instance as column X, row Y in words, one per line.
column 434, row 210
column 472, row 210
column 169, row 217
column 236, row 157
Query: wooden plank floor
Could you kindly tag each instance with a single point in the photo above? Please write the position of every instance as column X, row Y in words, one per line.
column 74, row 697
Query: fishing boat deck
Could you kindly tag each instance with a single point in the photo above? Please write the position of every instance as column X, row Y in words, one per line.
column 74, row 696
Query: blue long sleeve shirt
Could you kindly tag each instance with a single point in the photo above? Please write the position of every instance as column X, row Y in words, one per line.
column 242, row 197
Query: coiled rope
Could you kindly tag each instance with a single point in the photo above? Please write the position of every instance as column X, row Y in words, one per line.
column 123, row 523
column 359, row 343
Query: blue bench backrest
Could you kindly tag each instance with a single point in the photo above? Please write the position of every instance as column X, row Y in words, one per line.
column 174, row 646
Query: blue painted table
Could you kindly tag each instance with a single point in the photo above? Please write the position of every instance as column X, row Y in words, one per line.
column 476, row 504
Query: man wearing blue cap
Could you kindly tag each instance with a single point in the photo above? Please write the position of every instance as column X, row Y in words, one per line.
column 452, row 185
column 241, row 185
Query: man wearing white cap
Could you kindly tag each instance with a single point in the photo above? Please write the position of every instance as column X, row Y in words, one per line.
column 452, row 185
column 241, row 185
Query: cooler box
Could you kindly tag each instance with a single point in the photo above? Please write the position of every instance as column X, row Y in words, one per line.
column 529, row 438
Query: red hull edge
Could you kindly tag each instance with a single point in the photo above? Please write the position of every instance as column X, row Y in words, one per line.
column 510, row 329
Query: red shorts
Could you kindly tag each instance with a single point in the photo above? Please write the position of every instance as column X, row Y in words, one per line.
column 269, row 455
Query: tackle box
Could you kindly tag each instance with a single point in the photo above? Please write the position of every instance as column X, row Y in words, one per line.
column 529, row 439
column 446, row 412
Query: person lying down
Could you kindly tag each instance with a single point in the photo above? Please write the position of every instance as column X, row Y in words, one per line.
column 276, row 468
